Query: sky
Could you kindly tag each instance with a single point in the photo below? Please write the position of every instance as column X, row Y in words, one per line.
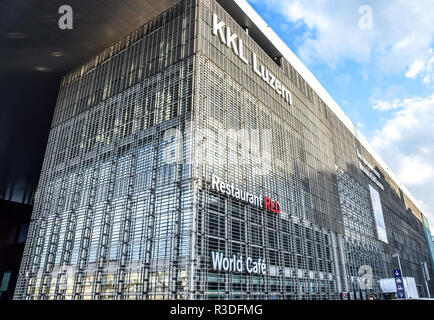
column 376, row 59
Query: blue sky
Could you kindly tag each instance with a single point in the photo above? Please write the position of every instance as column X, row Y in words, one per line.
column 376, row 59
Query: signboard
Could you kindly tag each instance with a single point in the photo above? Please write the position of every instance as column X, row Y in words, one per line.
column 400, row 290
column 231, row 190
column 378, row 214
column 237, row 264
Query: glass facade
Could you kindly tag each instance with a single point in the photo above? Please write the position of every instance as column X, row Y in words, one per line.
column 125, row 208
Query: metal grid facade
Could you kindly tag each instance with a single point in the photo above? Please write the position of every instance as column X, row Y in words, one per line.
column 403, row 220
column 362, row 247
column 125, row 210
column 300, row 253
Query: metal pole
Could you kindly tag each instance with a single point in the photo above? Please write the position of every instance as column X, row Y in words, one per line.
column 427, row 288
column 424, row 277
column 402, row 274
column 399, row 264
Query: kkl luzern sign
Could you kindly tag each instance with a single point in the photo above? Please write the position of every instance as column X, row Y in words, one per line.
column 230, row 190
column 237, row 264
column 231, row 40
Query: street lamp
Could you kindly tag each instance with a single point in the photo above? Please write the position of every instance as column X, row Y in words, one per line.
column 426, row 276
column 396, row 255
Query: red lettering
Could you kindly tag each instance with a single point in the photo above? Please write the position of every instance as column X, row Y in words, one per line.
column 271, row 205
column 267, row 203
column 277, row 207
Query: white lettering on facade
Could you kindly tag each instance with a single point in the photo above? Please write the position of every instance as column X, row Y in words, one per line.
column 237, row 264
column 234, row 192
column 229, row 189
column 372, row 173
column 231, row 40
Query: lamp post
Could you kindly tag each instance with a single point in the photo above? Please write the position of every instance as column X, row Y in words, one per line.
column 426, row 276
column 396, row 255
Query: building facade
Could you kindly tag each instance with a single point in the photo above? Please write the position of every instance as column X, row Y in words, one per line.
column 199, row 159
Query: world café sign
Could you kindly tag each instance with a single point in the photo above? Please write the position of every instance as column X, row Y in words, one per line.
column 231, row 40
column 237, row 264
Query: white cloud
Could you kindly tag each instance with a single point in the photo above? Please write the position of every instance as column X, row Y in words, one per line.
column 406, row 143
column 415, row 68
column 422, row 68
column 401, row 33
column 386, row 105
column 415, row 170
